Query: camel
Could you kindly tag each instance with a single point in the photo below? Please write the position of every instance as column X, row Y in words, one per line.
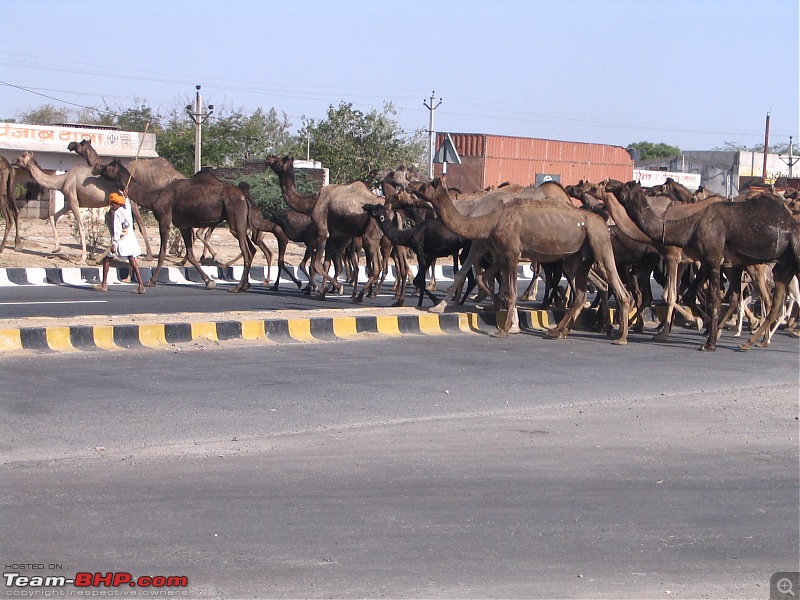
column 337, row 214
column 259, row 226
column 8, row 207
column 754, row 231
column 675, row 259
column 81, row 189
column 151, row 173
column 543, row 231
column 199, row 201
column 477, row 206
column 429, row 239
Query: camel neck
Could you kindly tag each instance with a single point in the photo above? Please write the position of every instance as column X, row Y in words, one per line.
column 52, row 182
column 296, row 201
column 473, row 228
column 394, row 233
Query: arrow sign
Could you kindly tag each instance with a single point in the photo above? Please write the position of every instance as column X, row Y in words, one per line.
column 447, row 152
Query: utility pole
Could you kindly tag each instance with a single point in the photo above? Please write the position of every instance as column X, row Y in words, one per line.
column 198, row 117
column 791, row 160
column 431, row 107
column 766, row 150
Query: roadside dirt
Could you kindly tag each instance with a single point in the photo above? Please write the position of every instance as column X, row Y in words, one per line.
column 37, row 252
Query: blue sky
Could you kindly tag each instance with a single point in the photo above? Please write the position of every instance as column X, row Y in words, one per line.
column 693, row 74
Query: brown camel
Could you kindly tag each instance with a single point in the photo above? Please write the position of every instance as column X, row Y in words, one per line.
column 81, row 189
column 477, row 206
column 544, row 231
column 7, row 206
column 337, row 214
column 738, row 234
column 199, row 201
column 676, row 261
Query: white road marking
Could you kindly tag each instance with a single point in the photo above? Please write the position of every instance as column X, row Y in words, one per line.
column 55, row 302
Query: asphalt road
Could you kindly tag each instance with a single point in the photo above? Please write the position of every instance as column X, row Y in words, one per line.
column 64, row 301
column 457, row 466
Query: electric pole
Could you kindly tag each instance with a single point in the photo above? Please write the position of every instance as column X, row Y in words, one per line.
column 431, row 107
column 792, row 159
column 198, row 117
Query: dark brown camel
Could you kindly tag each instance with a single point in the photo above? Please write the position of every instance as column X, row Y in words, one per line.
column 543, row 231
column 8, row 208
column 738, row 234
column 200, row 201
column 151, row 173
column 430, row 239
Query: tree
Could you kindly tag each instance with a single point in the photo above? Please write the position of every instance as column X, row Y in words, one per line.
column 648, row 150
column 45, row 115
column 353, row 144
column 773, row 149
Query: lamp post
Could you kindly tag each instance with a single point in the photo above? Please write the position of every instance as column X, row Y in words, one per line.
column 198, row 117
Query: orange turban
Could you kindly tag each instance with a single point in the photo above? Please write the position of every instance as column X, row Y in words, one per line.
column 115, row 198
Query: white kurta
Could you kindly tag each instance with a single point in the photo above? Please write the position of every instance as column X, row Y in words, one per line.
column 122, row 232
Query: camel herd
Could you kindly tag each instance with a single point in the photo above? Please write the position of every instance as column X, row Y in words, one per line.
column 610, row 235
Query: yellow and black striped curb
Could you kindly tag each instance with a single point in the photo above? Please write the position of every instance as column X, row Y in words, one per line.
column 70, row 338
column 131, row 336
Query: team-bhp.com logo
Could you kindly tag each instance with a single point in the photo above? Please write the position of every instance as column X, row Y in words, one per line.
column 152, row 585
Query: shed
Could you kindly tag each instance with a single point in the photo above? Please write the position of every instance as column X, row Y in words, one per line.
column 489, row 160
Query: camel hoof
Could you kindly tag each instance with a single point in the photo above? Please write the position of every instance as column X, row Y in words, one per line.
column 100, row 287
column 138, row 291
column 552, row 334
column 211, row 284
column 514, row 329
column 707, row 348
column 150, row 283
column 620, row 342
column 499, row 334
column 661, row 336
column 438, row 308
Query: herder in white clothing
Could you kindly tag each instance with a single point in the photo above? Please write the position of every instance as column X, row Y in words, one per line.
column 123, row 242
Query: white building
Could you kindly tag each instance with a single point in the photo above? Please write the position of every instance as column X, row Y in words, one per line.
column 725, row 172
column 49, row 146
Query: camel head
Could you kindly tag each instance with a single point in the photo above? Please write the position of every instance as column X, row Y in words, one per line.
column 377, row 211
column 83, row 148
column 280, row 165
column 114, row 171
column 24, row 159
column 404, row 198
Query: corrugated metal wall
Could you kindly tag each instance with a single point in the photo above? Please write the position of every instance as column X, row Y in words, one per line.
column 489, row 160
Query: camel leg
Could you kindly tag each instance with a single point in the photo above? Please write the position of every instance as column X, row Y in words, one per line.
column 164, row 227
column 714, row 281
column 137, row 218
column 283, row 242
column 186, row 232
column 782, row 276
column 238, row 229
column 54, row 226
column 510, row 283
column 577, row 271
column 11, row 216
column 476, row 251
column 7, row 217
